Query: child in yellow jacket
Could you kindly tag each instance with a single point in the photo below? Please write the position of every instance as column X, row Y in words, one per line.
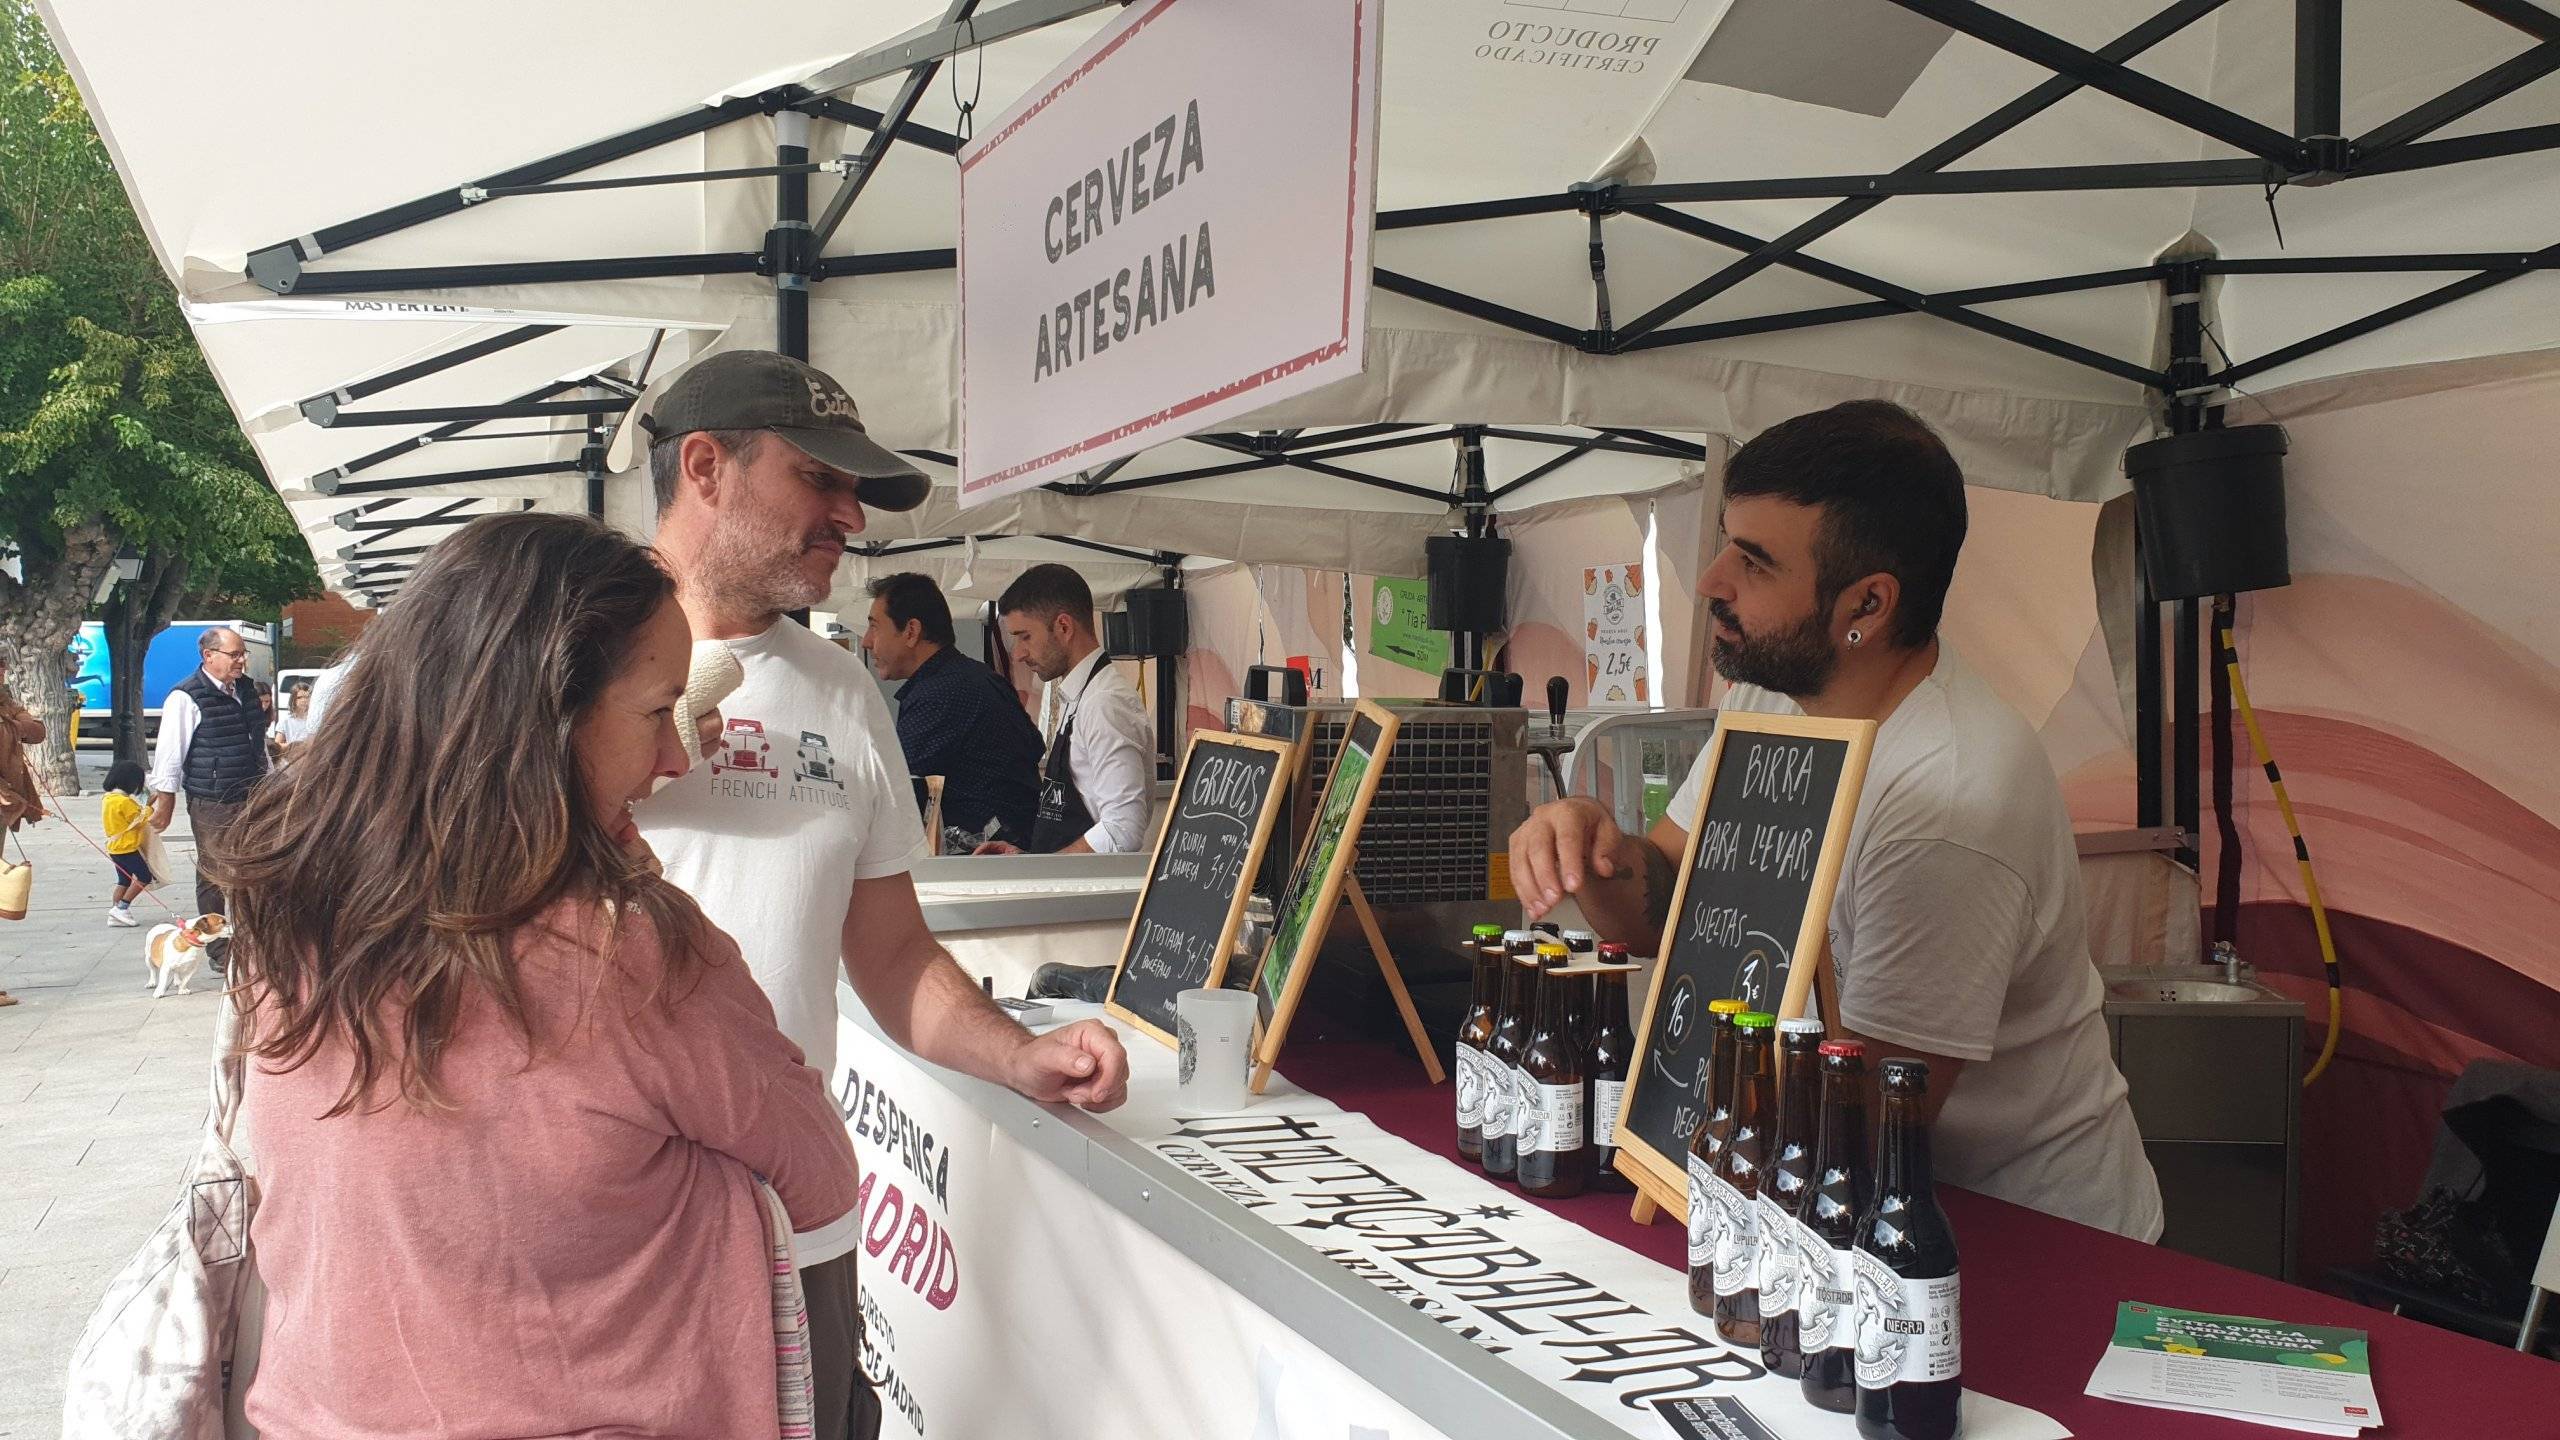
column 124, row 817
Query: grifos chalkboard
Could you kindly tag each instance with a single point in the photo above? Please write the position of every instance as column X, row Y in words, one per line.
column 1225, row 803
column 1748, row 921
column 1305, row 911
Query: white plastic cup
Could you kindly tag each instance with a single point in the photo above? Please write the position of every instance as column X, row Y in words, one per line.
column 1217, row 1050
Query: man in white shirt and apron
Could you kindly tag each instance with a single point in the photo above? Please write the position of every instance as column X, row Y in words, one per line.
column 1958, row 934
column 1099, row 776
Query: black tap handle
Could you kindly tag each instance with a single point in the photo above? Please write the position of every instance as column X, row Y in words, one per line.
column 1556, row 688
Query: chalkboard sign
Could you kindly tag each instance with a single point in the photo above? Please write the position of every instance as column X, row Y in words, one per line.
column 1749, row 920
column 1305, row 911
column 1224, row 805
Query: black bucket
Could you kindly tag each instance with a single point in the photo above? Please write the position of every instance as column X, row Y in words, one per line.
column 2211, row 509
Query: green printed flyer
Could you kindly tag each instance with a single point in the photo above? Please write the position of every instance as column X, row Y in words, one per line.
column 2313, row 1378
column 2330, row 1348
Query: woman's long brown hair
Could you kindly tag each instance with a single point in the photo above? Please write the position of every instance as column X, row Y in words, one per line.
column 440, row 808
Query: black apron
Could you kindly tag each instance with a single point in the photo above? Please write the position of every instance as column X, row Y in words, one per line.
column 1063, row 817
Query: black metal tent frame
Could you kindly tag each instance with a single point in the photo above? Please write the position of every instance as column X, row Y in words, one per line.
column 794, row 258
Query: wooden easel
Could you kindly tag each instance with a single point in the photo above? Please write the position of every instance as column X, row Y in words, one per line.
column 1269, row 1044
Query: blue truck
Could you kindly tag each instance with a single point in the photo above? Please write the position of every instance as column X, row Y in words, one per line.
column 170, row 660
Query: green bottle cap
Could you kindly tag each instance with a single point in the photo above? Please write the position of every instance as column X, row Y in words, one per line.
column 1754, row 1020
column 1488, row 931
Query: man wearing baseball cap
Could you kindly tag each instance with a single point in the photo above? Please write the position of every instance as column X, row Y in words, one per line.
column 797, row 833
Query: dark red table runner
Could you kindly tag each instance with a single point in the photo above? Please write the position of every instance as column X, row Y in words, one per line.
column 2040, row 1293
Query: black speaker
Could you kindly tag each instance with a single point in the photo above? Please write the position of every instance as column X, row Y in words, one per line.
column 2211, row 509
column 1155, row 623
column 1470, row 581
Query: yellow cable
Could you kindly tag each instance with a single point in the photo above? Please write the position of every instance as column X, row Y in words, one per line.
column 2301, row 853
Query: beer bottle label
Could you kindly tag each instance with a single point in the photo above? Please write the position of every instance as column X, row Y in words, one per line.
column 1494, row 1079
column 1702, row 1215
column 1908, row 1330
column 1737, row 1239
column 1605, row 1097
column 1559, row 1119
column 1780, row 1274
column 1826, row 1305
column 1470, row 1086
column 1524, row 1105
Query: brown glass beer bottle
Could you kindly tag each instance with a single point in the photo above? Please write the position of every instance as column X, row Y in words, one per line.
column 1910, row 1333
column 1827, row 1230
column 1613, row 1045
column 1746, row 1155
column 1552, row 1161
column 1706, row 1143
column 1502, row 1054
column 1474, row 1033
column 1782, row 1187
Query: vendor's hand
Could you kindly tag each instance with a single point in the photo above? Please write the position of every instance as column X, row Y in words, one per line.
column 1081, row 1064
column 997, row 847
column 1560, row 844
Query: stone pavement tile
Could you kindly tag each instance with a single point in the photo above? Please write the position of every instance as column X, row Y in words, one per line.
column 48, row 1306
column 20, row 1212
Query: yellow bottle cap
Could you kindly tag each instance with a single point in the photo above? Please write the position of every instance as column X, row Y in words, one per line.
column 1553, row 948
column 1726, row 1007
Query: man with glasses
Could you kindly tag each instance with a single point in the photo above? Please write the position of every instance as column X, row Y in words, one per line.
column 212, row 746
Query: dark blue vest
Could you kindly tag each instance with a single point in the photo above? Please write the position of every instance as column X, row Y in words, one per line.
column 228, row 753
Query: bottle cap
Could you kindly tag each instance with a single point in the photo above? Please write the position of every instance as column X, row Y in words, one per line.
column 1488, row 931
column 1518, row 937
column 1613, row 950
column 1905, row 1075
column 1754, row 1020
column 1546, row 927
column 1800, row 1025
column 1726, row 1007
column 1580, row 937
column 1844, row 1050
column 1552, row 950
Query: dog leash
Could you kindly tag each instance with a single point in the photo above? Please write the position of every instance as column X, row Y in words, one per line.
column 53, row 811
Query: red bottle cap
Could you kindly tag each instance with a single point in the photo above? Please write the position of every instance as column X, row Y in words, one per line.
column 1849, row 1049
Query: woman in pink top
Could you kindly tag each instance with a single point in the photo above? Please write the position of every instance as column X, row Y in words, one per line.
column 508, row 1090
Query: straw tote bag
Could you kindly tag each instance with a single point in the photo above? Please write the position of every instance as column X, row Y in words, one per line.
column 155, row 1362
column 17, row 884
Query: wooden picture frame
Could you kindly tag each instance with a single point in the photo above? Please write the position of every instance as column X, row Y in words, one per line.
column 1662, row 1179
column 1258, row 839
column 1315, row 888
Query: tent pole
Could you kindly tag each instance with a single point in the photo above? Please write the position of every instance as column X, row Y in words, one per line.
column 788, row 246
column 591, row 460
column 1471, row 646
column 2318, row 57
column 2187, row 414
column 1168, row 681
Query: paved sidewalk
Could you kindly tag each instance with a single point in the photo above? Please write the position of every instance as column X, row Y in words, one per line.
column 102, row 1098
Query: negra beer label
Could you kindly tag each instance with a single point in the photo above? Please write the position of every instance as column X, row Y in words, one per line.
column 1702, row 1215
column 1605, row 1098
column 1908, row 1330
column 1779, row 1272
column 1559, row 1119
column 1470, row 1086
column 1828, row 1297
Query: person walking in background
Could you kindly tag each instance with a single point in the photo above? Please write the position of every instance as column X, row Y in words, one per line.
column 18, row 794
column 291, row 730
column 123, row 818
column 211, row 732
column 509, row 1092
column 956, row 718
column 1099, row 777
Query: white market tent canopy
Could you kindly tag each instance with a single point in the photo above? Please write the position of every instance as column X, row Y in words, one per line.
column 422, row 265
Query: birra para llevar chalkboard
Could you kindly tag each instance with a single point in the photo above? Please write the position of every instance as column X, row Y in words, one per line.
column 1749, row 920
column 1224, row 804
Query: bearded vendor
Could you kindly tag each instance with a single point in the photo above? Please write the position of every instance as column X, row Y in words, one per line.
column 1957, row 932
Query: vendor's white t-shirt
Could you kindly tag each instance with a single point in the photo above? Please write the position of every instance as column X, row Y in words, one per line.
column 806, row 793
column 1959, row 928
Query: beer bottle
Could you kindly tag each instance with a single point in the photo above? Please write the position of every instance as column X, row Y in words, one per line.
column 1746, row 1155
column 1706, row 1143
column 1552, row 1161
column 1910, row 1334
column 1613, row 1045
column 1827, row 1228
column 1502, row 1053
column 1474, row 1033
column 1782, row 1187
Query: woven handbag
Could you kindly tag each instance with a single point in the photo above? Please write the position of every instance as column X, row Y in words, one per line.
column 155, row 1360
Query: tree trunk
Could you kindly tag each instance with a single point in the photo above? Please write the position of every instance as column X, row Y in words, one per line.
column 135, row 614
column 39, row 618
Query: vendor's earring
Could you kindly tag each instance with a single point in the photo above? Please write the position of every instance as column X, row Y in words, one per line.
column 1856, row 637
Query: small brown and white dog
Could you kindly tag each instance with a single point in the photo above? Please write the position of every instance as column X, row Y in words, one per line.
column 174, row 951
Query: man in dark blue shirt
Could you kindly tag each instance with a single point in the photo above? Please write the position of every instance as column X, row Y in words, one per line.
column 956, row 718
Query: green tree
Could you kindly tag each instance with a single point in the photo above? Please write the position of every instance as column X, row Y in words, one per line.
column 112, row 431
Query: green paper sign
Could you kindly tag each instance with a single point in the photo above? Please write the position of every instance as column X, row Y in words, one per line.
column 1399, row 629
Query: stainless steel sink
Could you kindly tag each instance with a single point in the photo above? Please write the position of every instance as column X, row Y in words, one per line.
column 2169, row 991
